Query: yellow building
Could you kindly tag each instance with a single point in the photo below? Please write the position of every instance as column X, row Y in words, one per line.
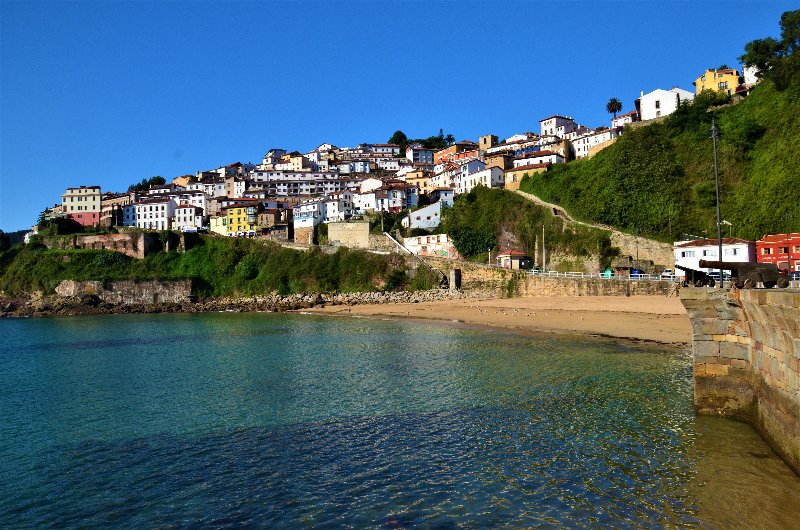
column 421, row 180
column 725, row 80
column 240, row 219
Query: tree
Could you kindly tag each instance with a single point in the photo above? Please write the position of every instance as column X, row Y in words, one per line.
column 778, row 61
column 613, row 106
column 400, row 138
column 145, row 184
column 449, row 139
column 5, row 242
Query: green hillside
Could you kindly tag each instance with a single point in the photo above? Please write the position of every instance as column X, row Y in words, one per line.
column 495, row 219
column 217, row 267
column 658, row 179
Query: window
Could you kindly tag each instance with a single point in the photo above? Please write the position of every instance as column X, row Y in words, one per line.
column 658, row 104
column 723, row 85
column 709, row 253
column 766, row 251
column 731, row 252
column 687, row 254
column 783, row 250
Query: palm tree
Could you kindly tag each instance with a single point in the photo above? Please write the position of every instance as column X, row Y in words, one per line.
column 613, row 106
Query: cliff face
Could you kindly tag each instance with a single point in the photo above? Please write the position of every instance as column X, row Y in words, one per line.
column 746, row 347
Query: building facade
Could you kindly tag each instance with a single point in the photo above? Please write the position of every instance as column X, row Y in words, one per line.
column 689, row 253
column 781, row 249
column 82, row 205
column 659, row 103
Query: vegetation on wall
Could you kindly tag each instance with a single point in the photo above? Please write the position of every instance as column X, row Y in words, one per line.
column 486, row 218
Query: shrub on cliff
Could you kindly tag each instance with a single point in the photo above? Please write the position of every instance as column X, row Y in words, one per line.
column 501, row 220
column 217, row 267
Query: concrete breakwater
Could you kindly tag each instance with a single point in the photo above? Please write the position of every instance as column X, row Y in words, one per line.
column 746, row 349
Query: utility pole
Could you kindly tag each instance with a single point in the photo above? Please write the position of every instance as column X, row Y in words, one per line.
column 714, row 138
column 544, row 255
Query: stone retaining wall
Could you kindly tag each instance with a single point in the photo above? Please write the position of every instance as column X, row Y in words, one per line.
column 746, row 348
column 546, row 286
column 129, row 293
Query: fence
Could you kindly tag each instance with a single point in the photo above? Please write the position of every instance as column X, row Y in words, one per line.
column 600, row 275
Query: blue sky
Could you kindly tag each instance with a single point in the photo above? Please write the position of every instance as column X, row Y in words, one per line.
column 109, row 93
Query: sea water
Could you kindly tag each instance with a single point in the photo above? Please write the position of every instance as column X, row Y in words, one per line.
column 297, row 421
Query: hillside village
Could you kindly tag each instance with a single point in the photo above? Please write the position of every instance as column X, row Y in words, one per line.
column 288, row 195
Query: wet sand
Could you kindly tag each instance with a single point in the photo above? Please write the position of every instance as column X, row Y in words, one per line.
column 650, row 318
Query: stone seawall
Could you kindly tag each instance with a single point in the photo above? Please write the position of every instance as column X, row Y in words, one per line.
column 746, row 349
column 546, row 286
column 129, row 293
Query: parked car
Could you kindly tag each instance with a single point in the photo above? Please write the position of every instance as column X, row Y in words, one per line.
column 668, row 274
column 637, row 273
column 794, row 276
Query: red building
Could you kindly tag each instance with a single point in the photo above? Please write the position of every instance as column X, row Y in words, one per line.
column 781, row 249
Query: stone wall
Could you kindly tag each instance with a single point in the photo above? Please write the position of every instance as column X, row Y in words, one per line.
column 133, row 243
column 746, row 348
column 475, row 276
column 349, row 234
column 647, row 249
column 129, row 293
column 304, row 236
column 546, row 286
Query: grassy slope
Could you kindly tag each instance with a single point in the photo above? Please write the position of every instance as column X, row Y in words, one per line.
column 217, row 267
column 659, row 179
column 491, row 218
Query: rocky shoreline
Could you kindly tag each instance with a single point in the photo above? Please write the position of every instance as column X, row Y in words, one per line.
column 89, row 304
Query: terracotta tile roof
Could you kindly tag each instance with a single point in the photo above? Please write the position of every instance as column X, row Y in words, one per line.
column 529, row 166
column 712, row 242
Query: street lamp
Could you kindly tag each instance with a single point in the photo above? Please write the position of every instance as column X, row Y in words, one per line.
column 714, row 138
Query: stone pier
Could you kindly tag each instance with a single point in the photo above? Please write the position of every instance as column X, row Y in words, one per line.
column 746, row 349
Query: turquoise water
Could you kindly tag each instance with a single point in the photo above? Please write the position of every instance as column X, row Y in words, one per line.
column 296, row 421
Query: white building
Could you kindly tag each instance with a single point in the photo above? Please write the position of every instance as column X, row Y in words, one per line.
column 187, row 217
column 557, row 126
column 538, row 157
column 418, row 154
column 338, row 206
column 388, row 150
column 308, row 214
column 582, row 145
column 750, row 74
column 689, row 253
column 152, row 214
column 492, row 177
column 660, row 102
column 624, row 119
column 427, row 217
column 211, row 187
column 432, row 245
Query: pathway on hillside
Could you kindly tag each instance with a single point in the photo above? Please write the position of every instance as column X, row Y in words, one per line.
column 627, row 243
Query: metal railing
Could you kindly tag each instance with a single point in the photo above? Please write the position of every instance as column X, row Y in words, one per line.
column 601, row 276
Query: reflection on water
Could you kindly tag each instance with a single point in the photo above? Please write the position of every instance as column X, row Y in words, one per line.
column 297, row 421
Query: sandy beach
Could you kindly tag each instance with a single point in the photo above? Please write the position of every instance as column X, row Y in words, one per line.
column 650, row 318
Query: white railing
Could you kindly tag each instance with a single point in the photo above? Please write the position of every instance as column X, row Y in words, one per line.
column 599, row 275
